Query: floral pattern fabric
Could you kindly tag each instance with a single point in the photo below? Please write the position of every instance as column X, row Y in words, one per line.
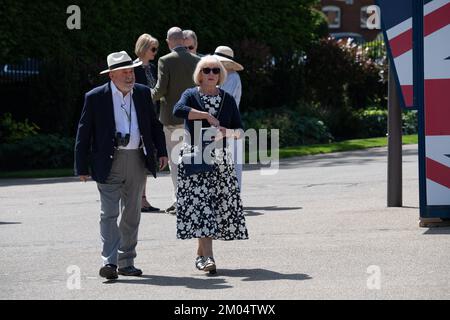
column 209, row 204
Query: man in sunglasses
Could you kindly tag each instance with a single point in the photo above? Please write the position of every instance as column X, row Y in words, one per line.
column 190, row 41
column 175, row 72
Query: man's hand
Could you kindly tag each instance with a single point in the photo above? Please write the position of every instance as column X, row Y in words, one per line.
column 163, row 161
column 84, row 178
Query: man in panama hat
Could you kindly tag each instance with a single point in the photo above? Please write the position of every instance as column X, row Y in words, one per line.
column 118, row 139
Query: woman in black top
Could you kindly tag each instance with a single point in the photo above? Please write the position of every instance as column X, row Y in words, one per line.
column 209, row 206
column 146, row 50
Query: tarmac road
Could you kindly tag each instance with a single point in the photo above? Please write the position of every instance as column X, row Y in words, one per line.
column 319, row 229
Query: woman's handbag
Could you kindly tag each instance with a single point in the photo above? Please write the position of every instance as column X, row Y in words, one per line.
column 195, row 162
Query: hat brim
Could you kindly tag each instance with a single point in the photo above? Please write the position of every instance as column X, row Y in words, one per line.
column 134, row 65
column 231, row 63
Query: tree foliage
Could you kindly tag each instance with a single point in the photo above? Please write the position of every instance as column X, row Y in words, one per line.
column 268, row 38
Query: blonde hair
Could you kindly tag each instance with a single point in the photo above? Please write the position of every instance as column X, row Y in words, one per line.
column 143, row 43
column 209, row 60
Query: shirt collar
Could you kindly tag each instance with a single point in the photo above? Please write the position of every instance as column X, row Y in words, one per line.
column 178, row 47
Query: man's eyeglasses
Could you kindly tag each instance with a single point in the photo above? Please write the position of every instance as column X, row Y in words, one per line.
column 208, row 70
column 190, row 48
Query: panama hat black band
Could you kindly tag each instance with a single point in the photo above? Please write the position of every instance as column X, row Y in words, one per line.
column 224, row 55
column 120, row 60
column 120, row 65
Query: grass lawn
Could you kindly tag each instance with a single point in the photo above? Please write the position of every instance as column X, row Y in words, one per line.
column 347, row 145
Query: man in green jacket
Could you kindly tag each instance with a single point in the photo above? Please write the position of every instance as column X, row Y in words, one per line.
column 175, row 71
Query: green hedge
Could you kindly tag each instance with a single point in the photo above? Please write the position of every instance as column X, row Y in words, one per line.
column 37, row 152
column 372, row 123
column 295, row 129
column 301, row 125
column 341, row 81
column 267, row 40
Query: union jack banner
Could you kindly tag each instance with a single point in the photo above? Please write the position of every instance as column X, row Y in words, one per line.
column 397, row 23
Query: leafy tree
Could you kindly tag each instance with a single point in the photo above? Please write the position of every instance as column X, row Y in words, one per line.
column 268, row 38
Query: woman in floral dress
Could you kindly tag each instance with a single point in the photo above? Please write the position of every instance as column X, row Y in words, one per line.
column 209, row 206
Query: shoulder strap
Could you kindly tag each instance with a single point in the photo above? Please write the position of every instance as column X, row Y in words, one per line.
column 199, row 98
column 221, row 103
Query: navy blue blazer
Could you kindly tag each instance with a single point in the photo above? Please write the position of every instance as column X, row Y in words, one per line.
column 142, row 79
column 140, row 74
column 229, row 118
column 95, row 143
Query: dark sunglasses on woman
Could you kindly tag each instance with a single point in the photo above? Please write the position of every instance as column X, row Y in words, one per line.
column 154, row 49
column 208, row 70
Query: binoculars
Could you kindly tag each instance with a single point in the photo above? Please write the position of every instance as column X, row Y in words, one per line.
column 122, row 141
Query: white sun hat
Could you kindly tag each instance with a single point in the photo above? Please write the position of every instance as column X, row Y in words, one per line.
column 226, row 56
column 120, row 60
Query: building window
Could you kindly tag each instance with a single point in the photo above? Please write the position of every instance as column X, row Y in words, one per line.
column 364, row 17
column 333, row 14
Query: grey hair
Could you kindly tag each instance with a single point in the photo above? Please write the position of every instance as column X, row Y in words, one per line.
column 190, row 34
column 175, row 33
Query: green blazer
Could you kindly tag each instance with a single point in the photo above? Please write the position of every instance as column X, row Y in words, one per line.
column 175, row 75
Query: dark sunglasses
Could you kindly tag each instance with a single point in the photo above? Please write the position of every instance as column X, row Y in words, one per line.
column 154, row 49
column 190, row 48
column 208, row 70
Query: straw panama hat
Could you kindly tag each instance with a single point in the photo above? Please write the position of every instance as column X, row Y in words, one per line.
column 120, row 60
column 226, row 56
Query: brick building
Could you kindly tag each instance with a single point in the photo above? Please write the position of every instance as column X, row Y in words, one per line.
column 349, row 16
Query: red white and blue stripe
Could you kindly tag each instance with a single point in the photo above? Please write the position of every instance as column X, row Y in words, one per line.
column 397, row 20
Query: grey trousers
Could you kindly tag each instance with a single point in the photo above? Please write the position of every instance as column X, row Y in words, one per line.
column 237, row 149
column 173, row 150
column 122, row 194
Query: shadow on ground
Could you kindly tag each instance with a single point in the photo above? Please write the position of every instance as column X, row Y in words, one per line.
column 38, row 181
column 261, row 275
column 9, row 223
column 212, row 282
column 255, row 211
column 345, row 158
column 437, row 230
column 165, row 281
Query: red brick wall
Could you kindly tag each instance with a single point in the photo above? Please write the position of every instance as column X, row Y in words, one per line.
column 351, row 17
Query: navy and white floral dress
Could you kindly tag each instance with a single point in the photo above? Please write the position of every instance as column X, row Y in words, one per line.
column 209, row 204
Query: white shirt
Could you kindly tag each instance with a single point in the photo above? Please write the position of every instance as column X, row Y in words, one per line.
column 123, row 106
column 233, row 86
